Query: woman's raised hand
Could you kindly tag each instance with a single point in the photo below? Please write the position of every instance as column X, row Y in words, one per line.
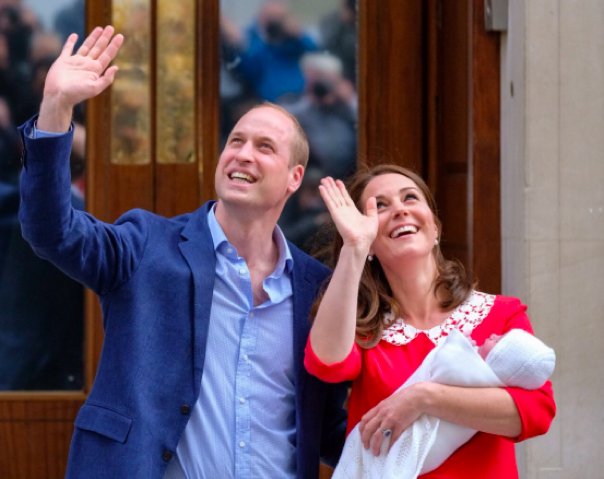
column 356, row 228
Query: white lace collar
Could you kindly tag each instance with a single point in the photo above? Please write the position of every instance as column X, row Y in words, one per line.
column 466, row 317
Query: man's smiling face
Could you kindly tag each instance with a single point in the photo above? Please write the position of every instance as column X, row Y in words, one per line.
column 254, row 170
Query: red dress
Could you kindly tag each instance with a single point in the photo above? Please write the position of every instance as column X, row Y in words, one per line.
column 378, row 372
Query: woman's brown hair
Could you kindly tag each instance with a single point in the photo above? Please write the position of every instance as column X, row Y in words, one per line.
column 375, row 295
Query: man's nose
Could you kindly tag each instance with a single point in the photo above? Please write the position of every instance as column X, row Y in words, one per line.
column 246, row 152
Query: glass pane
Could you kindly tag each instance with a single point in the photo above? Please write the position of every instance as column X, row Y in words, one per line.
column 41, row 309
column 175, row 81
column 302, row 56
column 130, row 100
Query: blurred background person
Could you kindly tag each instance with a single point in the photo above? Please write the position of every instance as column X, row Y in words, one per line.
column 42, row 310
column 339, row 37
column 237, row 95
column 275, row 45
column 305, row 212
column 41, row 318
column 71, row 19
column 327, row 112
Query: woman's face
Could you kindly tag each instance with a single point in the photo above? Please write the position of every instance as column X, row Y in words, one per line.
column 406, row 224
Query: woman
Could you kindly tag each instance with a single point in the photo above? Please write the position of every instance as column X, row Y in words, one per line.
column 389, row 267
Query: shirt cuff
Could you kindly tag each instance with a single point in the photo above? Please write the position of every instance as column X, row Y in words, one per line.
column 47, row 134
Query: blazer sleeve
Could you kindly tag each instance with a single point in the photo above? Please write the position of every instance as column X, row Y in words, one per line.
column 537, row 407
column 100, row 255
column 333, row 432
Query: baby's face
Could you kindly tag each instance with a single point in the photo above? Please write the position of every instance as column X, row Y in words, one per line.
column 488, row 345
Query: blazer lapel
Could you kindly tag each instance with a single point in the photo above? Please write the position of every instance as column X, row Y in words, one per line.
column 198, row 251
column 302, row 302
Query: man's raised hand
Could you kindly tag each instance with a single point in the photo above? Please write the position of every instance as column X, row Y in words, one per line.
column 74, row 78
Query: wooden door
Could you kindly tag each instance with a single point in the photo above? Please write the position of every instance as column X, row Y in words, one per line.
column 428, row 99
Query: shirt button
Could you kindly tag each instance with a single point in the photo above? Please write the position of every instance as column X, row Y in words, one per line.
column 230, row 250
column 242, row 444
column 241, row 271
column 167, row 455
column 184, row 409
column 242, row 400
column 245, row 357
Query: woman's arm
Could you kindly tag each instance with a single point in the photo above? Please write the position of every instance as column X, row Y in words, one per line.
column 514, row 413
column 333, row 331
column 490, row 410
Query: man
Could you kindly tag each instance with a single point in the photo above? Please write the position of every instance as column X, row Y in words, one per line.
column 205, row 314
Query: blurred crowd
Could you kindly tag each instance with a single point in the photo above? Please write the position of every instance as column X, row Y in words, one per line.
column 310, row 72
column 41, row 312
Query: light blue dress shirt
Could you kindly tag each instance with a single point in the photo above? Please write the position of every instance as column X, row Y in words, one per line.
column 243, row 425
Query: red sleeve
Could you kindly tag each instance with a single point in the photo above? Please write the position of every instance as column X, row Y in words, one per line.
column 537, row 408
column 347, row 370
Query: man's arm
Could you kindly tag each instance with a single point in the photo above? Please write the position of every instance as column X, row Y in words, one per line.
column 100, row 255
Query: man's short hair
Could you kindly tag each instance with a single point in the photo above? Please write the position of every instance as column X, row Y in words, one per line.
column 299, row 147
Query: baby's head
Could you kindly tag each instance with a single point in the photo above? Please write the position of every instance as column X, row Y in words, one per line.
column 519, row 359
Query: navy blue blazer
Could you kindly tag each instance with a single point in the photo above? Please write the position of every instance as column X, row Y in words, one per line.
column 155, row 277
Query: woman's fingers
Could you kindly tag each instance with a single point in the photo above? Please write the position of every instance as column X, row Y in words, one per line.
column 344, row 192
column 333, row 191
column 326, row 198
column 371, row 425
column 376, row 441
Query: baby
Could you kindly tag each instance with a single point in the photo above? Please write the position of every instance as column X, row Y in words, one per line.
column 516, row 359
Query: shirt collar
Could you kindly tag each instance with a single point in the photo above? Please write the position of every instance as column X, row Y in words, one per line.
column 285, row 262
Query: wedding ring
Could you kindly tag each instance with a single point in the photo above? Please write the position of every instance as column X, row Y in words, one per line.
column 386, row 432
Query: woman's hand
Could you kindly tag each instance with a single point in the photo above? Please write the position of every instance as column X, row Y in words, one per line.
column 356, row 229
column 395, row 414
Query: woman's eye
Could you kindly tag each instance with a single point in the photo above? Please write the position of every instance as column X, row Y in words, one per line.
column 380, row 204
column 411, row 196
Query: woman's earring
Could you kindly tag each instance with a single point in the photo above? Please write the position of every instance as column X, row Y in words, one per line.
column 435, row 241
column 370, row 257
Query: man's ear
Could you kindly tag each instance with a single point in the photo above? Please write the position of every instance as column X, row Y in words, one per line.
column 296, row 175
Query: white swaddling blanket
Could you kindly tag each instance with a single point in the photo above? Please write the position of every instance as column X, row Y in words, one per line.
column 429, row 441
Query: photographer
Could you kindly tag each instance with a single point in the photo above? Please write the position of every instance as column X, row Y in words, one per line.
column 328, row 112
column 276, row 44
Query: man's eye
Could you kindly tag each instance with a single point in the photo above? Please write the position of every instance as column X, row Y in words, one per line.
column 266, row 146
column 236, row 140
